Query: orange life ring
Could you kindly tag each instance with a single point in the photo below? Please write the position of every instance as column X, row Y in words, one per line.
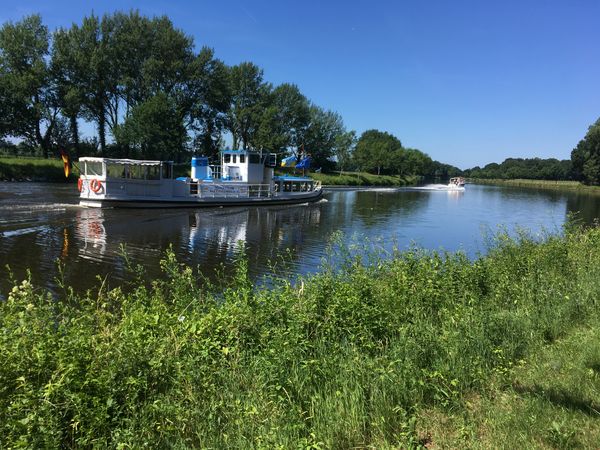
column 95, row 185
column 79, row 184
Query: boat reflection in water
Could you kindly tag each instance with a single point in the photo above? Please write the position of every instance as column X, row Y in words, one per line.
column 91, row 234
column 205, row 238
column 266, row 234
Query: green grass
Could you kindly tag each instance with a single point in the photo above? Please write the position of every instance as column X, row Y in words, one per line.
column 418, row 349
column 363, row 179
column 549, row 400
column 34, row 169
column 540, row 184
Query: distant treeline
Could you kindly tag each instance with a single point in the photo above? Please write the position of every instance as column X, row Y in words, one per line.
column 529, row 168
column 584, row 165
column 150, row 94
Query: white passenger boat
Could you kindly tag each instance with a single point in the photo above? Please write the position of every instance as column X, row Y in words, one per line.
column 456, row 183
column 242, row 178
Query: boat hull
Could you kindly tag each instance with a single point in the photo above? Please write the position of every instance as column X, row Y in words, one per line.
column 109, row 202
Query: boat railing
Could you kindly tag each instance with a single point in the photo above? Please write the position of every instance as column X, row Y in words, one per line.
column 219, row 190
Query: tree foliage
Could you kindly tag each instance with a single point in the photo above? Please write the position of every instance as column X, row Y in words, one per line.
column 146, row 140
column 524, row 168
column 586, row 156
column 150, row 94
column 322, row 137
column 28, row 104
column 375, row 150
column 248, row 96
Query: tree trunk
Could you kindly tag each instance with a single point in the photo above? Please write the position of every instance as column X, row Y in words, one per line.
column 102, row 134
column 75, row 132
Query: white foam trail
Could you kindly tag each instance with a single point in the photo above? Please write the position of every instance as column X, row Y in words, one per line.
column 22, row 231
column 439, row 187
column 37, row 207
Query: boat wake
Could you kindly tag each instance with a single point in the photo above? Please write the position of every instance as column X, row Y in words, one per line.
column 37, row 207
column 22, row 231
column 440, row 187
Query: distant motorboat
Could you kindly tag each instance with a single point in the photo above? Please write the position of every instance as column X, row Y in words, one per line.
column 456, row 183
column 242, row 178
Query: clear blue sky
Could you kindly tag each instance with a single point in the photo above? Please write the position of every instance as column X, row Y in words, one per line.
column 468, row 82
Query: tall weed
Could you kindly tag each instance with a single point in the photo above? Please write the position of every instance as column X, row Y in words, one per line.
column 344, row 358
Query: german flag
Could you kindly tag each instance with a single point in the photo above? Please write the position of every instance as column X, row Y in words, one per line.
column 66, row 162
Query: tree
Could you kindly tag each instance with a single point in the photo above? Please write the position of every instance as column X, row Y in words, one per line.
column 585, row 157
column 293, row 115
column 28, row 101
column 344, row 148
column 270, row 134
column 374, row 150
column 322, row 136
column 66, row 70
column 83, row 61
column 248, row 96
column 147, row 139
column 204, row 100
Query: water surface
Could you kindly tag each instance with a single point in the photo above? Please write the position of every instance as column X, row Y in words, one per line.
column 41, row 224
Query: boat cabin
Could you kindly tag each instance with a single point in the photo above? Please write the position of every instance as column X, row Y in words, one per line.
column 236, row 165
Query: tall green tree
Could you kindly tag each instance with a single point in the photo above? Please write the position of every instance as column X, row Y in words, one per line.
column 344, row 149
column 204, row 100
column 28, row 99
column 293, row 115
column 585, row 157
column 249, row 95
column 375, row 149
column 154, row 130
column 82, row 60
column 322, row 136
column 270, row 134
column 145, row 56
column 66, row 70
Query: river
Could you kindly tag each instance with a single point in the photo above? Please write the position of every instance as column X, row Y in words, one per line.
column 41, row 225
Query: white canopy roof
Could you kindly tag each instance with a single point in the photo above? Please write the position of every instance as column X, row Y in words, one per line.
column 137, row 162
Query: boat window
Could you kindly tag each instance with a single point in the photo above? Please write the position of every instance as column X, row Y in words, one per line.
column 254, row 159
column 242, row 159
column 287, row 186
column 227, row 158
column 115, row 171
column 137, row 172
column 93, row 168
column 167, row 171
column 234, row 160
column 153, row 173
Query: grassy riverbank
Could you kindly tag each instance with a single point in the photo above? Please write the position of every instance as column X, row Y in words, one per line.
column 540, row 184
column 420, row 349
column 39, row 169
column 32, row 169
column 363, row 179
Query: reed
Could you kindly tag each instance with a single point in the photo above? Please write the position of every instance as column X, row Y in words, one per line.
column 354, row 356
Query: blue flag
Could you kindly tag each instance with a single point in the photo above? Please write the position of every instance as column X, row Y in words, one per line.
column 304, row 164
